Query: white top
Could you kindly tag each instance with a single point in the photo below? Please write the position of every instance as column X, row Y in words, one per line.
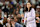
column 30, row 18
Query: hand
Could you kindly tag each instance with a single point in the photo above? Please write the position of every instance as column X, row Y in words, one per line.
column 22, row 15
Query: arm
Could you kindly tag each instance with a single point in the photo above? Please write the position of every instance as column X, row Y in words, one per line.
column 25, row 18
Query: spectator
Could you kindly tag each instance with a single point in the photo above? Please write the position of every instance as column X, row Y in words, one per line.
column 8, row 24
column 21, row 10
column 2, row 13
column 1, row 19
column 19, row 18
column 5, row 9
column 6, row 2
column 5, row 20
column 17, row 24
column 12, row 12
column 37, row 21
column 11, row 9
column 33, row 1
column 14, row 1
column 37, row 2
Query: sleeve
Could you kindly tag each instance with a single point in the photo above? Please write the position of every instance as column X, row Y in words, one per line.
column 32, row 17
column 25, row 18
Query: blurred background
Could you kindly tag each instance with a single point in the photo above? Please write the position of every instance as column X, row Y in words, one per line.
column 12, row 12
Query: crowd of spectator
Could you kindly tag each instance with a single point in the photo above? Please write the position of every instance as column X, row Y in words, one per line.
column 12, row 12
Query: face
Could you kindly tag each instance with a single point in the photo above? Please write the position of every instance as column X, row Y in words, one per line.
column 37, row 9
column 19, row 15
column 22, row 15
column 28, row 5
column 17, row 12
column 15, row 19
column 12, row 22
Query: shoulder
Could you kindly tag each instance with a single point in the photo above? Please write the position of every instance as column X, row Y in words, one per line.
column 32, row 9
column 17, row 23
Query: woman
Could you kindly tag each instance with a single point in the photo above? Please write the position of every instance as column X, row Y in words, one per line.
column 29, row 17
